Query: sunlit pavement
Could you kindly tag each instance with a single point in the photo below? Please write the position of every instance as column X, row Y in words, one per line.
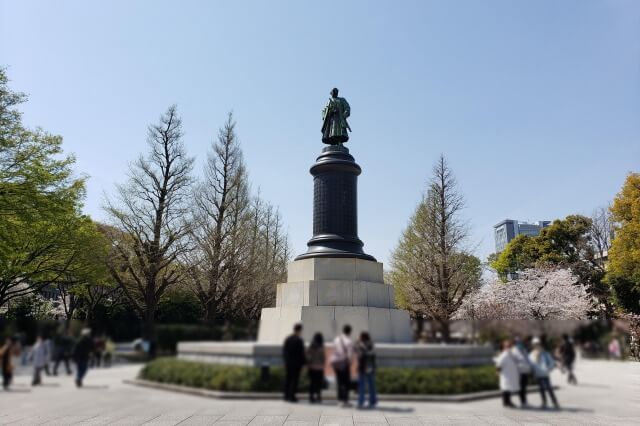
column 608, row 393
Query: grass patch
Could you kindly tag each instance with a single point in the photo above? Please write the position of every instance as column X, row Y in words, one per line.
column 433, row 381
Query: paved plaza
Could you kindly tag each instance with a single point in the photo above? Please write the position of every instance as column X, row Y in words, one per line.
column 608, row 394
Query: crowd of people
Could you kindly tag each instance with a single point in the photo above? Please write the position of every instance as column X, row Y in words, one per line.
column 345, row 355
column 85, row 351
column 519, row 361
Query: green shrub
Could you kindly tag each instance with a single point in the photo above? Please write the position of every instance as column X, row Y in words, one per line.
column 441, row 381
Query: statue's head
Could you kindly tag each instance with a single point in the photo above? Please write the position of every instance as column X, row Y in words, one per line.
column 334, row 92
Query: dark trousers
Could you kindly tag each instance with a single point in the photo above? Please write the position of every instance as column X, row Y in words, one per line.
column 7, row 377
column 367, row 381
column 37, row 376
column 545, row 387
column 571, row 378
column 81, row 370
column 343, row 377
column 506, row 399
column 524, row 381
column 316, row 382
column 291, row 378
column 65, row 359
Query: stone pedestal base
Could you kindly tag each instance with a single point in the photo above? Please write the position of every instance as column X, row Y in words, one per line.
column 323, row 294
column 384, row 324
column 387, row 354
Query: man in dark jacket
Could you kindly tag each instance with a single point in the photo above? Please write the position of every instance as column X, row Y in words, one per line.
column 81, row 353
column 294, row 359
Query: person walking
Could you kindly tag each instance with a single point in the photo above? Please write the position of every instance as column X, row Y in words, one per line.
column 294, row 360
column 366, row 370
column 509, row 375
column 543, row 364
column 63, row 346
column 524, row 368
column 568, row 358
column 39, row 355
column 10, row 349
column 341, row 363
column 315, row 368
column 81, row 354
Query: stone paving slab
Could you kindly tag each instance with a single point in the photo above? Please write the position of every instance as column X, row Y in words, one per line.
column 608, row 394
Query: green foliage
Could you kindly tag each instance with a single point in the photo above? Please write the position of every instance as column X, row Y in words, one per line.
column 624, row 256
column 43, row 236
column 170, row 334
column 179, row 307
column 389, row 380
column 436, row 381
column 564, row 243
column 212, row 376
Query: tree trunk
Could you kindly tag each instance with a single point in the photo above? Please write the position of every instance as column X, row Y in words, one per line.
column 445, row 330
column 149, row 332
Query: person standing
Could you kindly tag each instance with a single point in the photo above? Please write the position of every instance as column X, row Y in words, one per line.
column 366, row 370
column 63, row 346
column 109, row 352
column 509, row 375
column 81, row 354
column 567, row 358
column 315, row 368
column 524, row 368
column 294, row 360
column 10, row 349
column 40, row 357
column 341, row 363
column 543, row 364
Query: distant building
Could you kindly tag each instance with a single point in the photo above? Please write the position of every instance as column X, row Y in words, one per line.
column 508, row 229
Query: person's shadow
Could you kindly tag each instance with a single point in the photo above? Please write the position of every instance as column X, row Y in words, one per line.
column 557, row 410
column 391, row 409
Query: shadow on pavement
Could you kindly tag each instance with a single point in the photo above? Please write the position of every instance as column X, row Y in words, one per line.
column 592, row 385
column 391, row 409
column 553, row 410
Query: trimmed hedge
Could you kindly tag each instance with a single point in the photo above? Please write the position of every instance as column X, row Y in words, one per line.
column 436, row 381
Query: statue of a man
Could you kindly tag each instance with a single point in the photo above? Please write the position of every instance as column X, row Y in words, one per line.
column 335, row 126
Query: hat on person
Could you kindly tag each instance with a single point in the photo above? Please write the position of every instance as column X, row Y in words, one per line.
column 536, row 341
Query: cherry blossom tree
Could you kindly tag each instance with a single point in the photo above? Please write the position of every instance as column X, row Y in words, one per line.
column 537, row 294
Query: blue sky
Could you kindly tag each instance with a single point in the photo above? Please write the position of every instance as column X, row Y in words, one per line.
column 536, row 104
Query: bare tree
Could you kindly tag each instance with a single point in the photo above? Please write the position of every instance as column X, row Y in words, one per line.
column 149, row 221
column 431, row 269
column 268, row 254
column 601, row 233
column 220, row 215
column 241, row 248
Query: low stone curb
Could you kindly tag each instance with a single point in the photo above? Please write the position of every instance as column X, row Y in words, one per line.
column 207, row 393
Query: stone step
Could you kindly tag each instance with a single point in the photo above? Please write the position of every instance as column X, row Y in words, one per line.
column 335, row 293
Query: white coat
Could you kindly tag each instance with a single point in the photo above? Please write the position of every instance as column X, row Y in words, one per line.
column 509, row 374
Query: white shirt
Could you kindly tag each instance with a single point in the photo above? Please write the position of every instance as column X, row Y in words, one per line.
column 342, row 349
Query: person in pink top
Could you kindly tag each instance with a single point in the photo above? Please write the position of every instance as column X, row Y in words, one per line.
column 341, row 363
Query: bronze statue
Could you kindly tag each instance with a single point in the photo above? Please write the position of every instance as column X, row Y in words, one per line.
column 335, row 114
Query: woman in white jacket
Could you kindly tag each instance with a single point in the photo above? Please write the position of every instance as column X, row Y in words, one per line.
column 507, row 366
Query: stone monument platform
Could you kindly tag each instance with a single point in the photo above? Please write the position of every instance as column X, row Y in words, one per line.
column 325, row 293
